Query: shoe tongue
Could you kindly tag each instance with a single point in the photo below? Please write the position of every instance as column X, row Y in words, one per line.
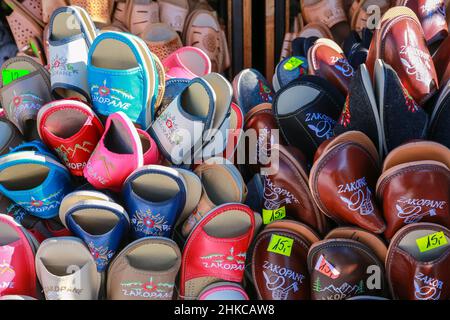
column 338, row 269
column 101, row 230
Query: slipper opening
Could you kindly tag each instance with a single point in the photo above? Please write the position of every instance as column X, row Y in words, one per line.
column 23, row 176
column 155, row 187
column 7, row 234
column 230, row 224
column 153, row 257
column 114, row 54
column 193, row 62
column 291, row 100
column 95, row 221
column 65, row 25
column 195, row 100
column 65, row 123
column 409, row 244
column 117, row 140
column 219, row 186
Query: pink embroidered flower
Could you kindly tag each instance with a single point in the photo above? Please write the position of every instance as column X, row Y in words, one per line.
column 17, row 101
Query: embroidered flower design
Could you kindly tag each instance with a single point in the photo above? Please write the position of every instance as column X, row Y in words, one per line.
column 37, row 203
column 101, row 254
column 149, row 223
column 265, row 92
column 169, row 124
column 410, row 103
column 17, row 101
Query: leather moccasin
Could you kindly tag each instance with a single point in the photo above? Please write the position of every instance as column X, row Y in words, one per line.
column 342, row 181
column 279, row 261
column 415, row 185
column 418, row 261
column 348, row 263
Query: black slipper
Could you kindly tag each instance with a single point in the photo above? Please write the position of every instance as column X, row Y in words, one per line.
column 440, row 118
column 402, row 119
column 306, row 111
column 360, row 112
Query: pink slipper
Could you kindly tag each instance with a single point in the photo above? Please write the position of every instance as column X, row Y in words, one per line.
column 118, row 154
column 149, row 148
column 187, row 63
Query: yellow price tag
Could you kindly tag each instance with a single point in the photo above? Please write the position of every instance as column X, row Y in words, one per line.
column 431, row 241
column 281, row 245
column 272, row 215
column 293, row 63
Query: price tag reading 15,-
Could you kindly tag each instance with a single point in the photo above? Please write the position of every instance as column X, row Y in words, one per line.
column 281, row 245
column 431, row 241
column 272, row 215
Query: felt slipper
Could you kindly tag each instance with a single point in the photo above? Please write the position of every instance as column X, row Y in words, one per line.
column 36, row 146
column 73, row 198
column 155, row 196
column 279, row 261
column 161, row 39
column 10, row 137
column 289, row 70
column 37, row 183
column 339, row 266
column 23, row 25
column 235, row 132
column 173, row 87
column 118, row 153
column 347, row 196
column 221, row 291
column 203, row 31
column 102, row 225
column 424, row 198
column 327, row 60
column 360, row 112
column 216, row 249
column 22, row 97
column 149, row 148
column 187, row 63
column 140, row 14
column 221, row 183
column 439, row 121
column 397, row 106
column 66, row 270
column 251, row 89
column 400, row 42
column 417, row 262
column 72, row 130
column 174, row 13
column 306, row 111
column 354, row 50
column 125, row 81
column 286, row 191
column 432, row 18
column 98, row 10
column 71, row 33
column 145, row 270
column 331, row 13
column 17, row 251
column 216, row 138
column 180, row 127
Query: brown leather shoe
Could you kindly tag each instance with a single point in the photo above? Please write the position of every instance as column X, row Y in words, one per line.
column 400, row 42
column 418, row 261
column 343, row 179
column 348, row 263
column 327, row 60
column 286, row 188
column 441, row 60
column 279, row 259
column 431, row 14
column 329, row 12
column 415, row 185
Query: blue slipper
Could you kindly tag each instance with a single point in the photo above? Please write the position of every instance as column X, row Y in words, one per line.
column 289, row 70
column 35, row 182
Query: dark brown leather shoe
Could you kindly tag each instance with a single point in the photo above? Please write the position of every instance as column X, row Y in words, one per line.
column 431, row 14
column 279, row 259
column 343, row 179
column 348, row 263
column 418, row 262
column 286, row 188
column 400, row 42
column 415, row 186
column 327, row 60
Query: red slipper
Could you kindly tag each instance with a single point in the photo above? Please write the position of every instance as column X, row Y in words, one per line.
column 17, row 250
column 216, row 249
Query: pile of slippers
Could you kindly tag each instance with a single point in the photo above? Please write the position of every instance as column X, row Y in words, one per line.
column 132, row 169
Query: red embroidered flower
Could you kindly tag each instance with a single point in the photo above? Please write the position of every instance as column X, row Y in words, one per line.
column 17, row 101
column 37, row 203
column 410, row 103
column 104, row 91
column 149, row 287
column 149, row 223
column 169, row 123
column 56, row 64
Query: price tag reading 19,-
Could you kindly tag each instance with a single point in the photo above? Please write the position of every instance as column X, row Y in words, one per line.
column 272, row 215
column 281, row 245
column 431, row 241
